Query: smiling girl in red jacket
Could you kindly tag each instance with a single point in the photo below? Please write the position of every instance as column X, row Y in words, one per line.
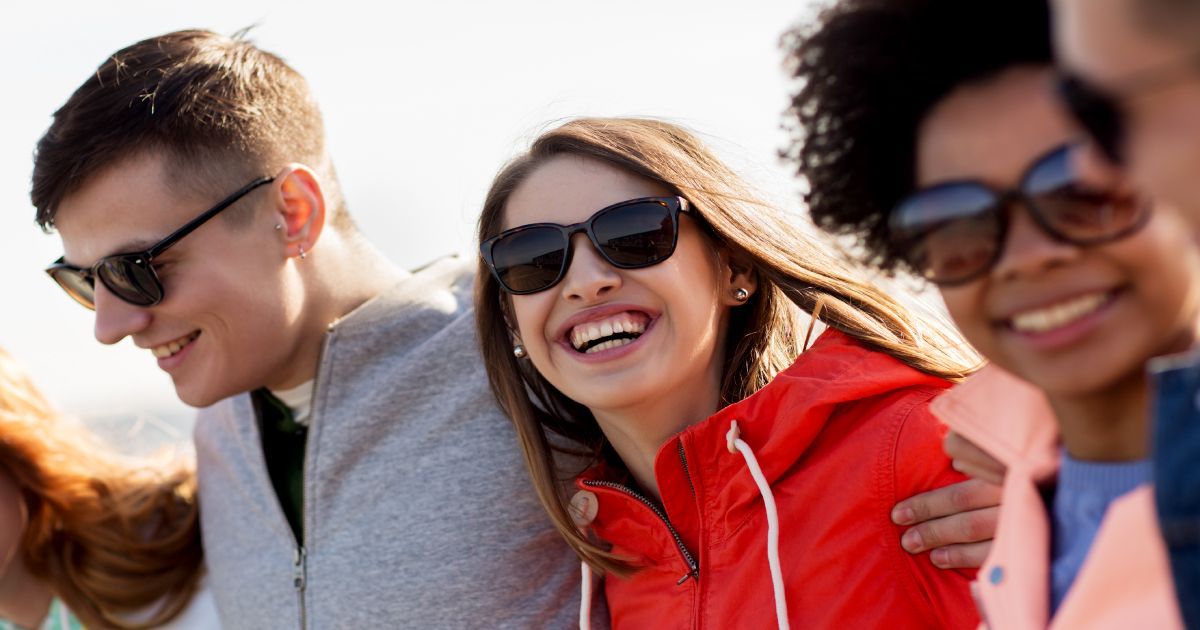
column 635, row 301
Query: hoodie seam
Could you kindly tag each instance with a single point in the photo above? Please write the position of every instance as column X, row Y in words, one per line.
column 888, row 473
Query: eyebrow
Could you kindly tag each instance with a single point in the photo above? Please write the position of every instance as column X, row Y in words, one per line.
column 128, row 247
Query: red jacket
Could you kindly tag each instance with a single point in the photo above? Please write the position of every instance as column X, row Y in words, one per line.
column 841, row 436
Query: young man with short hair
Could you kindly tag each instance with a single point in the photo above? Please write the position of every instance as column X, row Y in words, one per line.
column 354, row 469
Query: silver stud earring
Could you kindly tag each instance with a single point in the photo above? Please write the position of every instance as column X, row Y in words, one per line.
column 519, row 351
column 741, row 294
column 302, row 254
column 278, row 226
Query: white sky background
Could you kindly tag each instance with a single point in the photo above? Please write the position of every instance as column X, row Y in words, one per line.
column 423, row 103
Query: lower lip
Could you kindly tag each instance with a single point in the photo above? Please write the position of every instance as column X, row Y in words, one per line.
column 612, row 353
column 1068, row 334
column 170, row 363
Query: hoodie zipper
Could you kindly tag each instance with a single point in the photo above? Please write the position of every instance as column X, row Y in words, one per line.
column 686, row 473
column 300, row 557
column 688, row 559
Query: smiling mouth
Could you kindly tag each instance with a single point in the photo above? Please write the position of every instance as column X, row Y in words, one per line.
column 1056, row 316
column 612, row 332
column 172, row 347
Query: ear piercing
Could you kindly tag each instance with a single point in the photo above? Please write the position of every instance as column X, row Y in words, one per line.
column 278, row 226
column 302, row 254
column 741, row 294
column 519, row 351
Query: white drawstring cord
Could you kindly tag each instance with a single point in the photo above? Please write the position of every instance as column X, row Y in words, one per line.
column 585, row 598
column 736, row 444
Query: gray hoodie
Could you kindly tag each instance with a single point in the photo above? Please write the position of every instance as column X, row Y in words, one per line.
column 417, row 510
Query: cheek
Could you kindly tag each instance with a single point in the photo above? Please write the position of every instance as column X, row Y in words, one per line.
column 12, row 523
column 965, row 304
column 529, row 313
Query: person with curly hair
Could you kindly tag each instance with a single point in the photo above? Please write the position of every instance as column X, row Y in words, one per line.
column 928, row 130
column 89, row 536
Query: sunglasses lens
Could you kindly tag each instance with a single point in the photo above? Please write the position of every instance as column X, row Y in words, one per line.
column 1078, row 208
column 76, row 285
column 636, row 234
column 950, row 233
column 1096, row 112
column 130, row 279
column 529, row 260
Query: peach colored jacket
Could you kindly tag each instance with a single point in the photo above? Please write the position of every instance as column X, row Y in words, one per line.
column 1125, row 581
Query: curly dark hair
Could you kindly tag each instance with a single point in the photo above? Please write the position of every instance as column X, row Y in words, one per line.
column 868, row 72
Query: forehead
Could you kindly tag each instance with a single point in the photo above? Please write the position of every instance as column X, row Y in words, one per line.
column 1104, row 41
column 991, row 130
column 568, row 189
column 127, row 206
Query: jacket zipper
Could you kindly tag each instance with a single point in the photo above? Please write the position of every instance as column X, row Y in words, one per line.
column 300, row 558
column 688, row 559
column 686, row 473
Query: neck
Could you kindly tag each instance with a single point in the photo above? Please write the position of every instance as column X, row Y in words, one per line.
column 24, row 600
column 344, row 273
column 1111, row 425
column 639, row 431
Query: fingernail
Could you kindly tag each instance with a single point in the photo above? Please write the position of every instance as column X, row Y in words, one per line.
column 903, row 516
column 940, row 558
column 911, row 541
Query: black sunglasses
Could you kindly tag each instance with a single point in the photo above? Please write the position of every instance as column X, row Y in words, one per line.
column 630, row 234
column 954, row 232
column 1101, row 112
column 131, row 276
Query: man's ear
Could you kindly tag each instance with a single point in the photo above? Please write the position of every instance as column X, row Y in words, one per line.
column 300, row 204
column 739, row 278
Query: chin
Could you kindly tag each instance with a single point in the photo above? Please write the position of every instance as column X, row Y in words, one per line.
column 199, row 397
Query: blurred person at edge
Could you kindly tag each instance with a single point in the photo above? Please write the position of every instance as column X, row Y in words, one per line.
column 87, row 536
column 963, row 169
column 1131, row 78
column 349, row 453
column 344, row 400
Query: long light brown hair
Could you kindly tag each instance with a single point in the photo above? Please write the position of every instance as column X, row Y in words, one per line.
column 113, row 537
column 764, row 336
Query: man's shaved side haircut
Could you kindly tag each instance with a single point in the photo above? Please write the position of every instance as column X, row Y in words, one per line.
column 219, row 111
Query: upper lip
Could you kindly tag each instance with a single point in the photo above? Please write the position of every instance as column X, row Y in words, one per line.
column 597, row 313
column 1038, row 303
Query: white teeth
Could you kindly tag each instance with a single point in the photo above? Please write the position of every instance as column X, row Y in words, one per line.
column 1057, row 315
column 626, row 323
column 171, row 347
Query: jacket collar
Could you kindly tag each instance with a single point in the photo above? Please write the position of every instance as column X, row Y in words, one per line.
column 780, row 423
column 1005, row 416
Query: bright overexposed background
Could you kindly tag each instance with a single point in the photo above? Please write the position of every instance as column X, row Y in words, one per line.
column 423, row 103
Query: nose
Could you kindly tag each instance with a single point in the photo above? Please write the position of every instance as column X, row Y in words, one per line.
column 589, row 276
column 1029, row 250
column 116, row 318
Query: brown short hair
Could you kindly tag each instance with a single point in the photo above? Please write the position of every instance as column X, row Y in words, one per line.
column 217, row 108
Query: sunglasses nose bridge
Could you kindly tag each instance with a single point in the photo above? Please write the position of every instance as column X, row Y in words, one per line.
column 587, row 272
column 1026, row 244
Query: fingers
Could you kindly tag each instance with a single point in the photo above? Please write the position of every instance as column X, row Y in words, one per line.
column 964, row 496
column 963, row 528
column 969, row 556
column 972, row 460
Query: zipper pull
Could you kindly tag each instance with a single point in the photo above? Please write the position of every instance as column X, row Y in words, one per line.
column 686, row 576
column 299, row 568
